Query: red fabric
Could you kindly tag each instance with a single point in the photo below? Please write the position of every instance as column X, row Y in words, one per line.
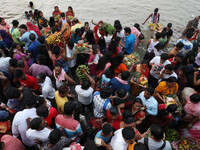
column 117, row 52
column 174, row 63
column 32, row 27
column 52, row 114
column 95, row 32
column 29, row 82
column 56, row 13
column 116, row 125
column 109, row 117
column 98, row 126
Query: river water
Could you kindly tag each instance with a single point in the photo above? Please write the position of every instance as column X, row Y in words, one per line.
column 129, row 12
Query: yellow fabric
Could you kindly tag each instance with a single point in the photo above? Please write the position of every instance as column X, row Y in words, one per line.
column 60, row 102
column 131, row 146
column 164, row 90
column 73, row 28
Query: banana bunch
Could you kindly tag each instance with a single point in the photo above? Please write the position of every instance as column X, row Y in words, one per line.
column 79, row 74
column 54, row 38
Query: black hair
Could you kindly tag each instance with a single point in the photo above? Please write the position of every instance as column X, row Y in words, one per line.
column 58, row 65
column 156, row 131
column 195, row 98
column 35, row 123
column 69, row 108
column 30, row 100
column 41, row 39
column 13, row 62
column 0, row 55
column 108, row 73
column 62, row 14
column 180, row 45
column 90, row 145
column 107, row 128
column 116, row 61
column 150, row 90
column 158, row 46
column 15, row 23
column 1, row 19
column 189, row 35
column 86, row 23
column 71, row 43
column 169, row 67
column 75, row 20
column 169, row 25
column 56, row 50
column 121, row 93
column 191, row 59
column 52, row 22
column 42, row 76
column 39, row 101
column 77, row 32
column 85, row 85
column 89, row 36
column 42, row 111
column 126, row 114
column 180, row 55
column 136, row 25
column 26, row 12
column 140, row 146
column 164, row 56
column 138, row 100
column 127, row 30
column 129, row 120
column 117, row 25
column 162, row 113
column 63, row 89
column 23, row 26
column 163, row 34
column 54, row 136
column 114, row 44
column 31, row 4
column 71, row 8
column 18, row 73
column 125, row 75
column 172, row 108
column 11, row 92
column 105, row 92
column 54, row 29
column 102, row 62
column 172, row 79
column 158, row 35
column 114, row 111
column 32, row 37
column 156, row 10
column 95, row 47
column 30, row 11
column 185, row 69
column 128, row 133
column 41, row 59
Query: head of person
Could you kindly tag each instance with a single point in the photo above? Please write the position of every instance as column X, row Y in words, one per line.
column 105, row 92
column 41, row 77
column 63, row 90
column 171, row 108
column 71, row 44
column 128, row 134
column 69, row 108
column 108, row 74
column 30, row 100
column 125, row 75
column 21, row 64
column 62, row 15
column 114, row 112
column 169, row 69
column 158, row 35
column 118, row 59
column 148, row 92
column 171, row 82
column 54, row 136
column 40, row 101
column 195, row 98
column 40, row 13
column 12, row 92
column 164, row 57
column 129, row 122
column 31, row 4
column 57, row 69
column 85, row 84
column 90, row 145
column 75, row 21
column 121, row 93
column 51, row 21
column 143, row 64
column 118, row 27
column 179, row 57
column 87, row 26
column 15, row 23
column 163, row 34
column 158, row 46
column 30, row 12
column 19, row 74
column 157, row 132
column 32, row 37
column 38, row 124
column 42, row 111
column 70, row 9
column 41, row 39
column 107, row 130
column 183, row 71
column 56, row 8
column 16, row 46
column 156, row 11
column 169, row 25
column 41, row 59
column 26, row 13
column 2, row 21
column 100, row 23
column 23, row 28
column 197, row 18
column 179, row 45
column 137, row 104
column 13, row 65
column 127, row 31
column 140, row 146
column 95, row 49
column 136, row 25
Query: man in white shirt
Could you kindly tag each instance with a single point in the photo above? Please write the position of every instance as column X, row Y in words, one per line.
column 120, row 32
column 157, row 64
column 122, row 138
column 85, row 90
column 155, row 141
column 71, row 57
column 19, row 126
column 4, row 65
column 47, row 89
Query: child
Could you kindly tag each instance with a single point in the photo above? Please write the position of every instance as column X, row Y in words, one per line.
column 27, row 15
column 105, row 79
column 31, row 5
column 31, row 14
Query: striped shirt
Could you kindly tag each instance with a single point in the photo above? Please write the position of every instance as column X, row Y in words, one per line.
column 72, row 127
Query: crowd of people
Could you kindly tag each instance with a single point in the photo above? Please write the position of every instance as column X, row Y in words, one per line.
column 45, row 105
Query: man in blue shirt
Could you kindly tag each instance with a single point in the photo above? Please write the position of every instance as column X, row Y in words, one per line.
column 130, row 41
column 149, row 101
column 33, row 47
column 25, row 35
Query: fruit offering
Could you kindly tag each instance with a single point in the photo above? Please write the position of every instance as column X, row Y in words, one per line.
column 54, row 38
column 107, row 28
column 140, row 79
column 79, row 73
column 83, row 48
column 132, row 58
